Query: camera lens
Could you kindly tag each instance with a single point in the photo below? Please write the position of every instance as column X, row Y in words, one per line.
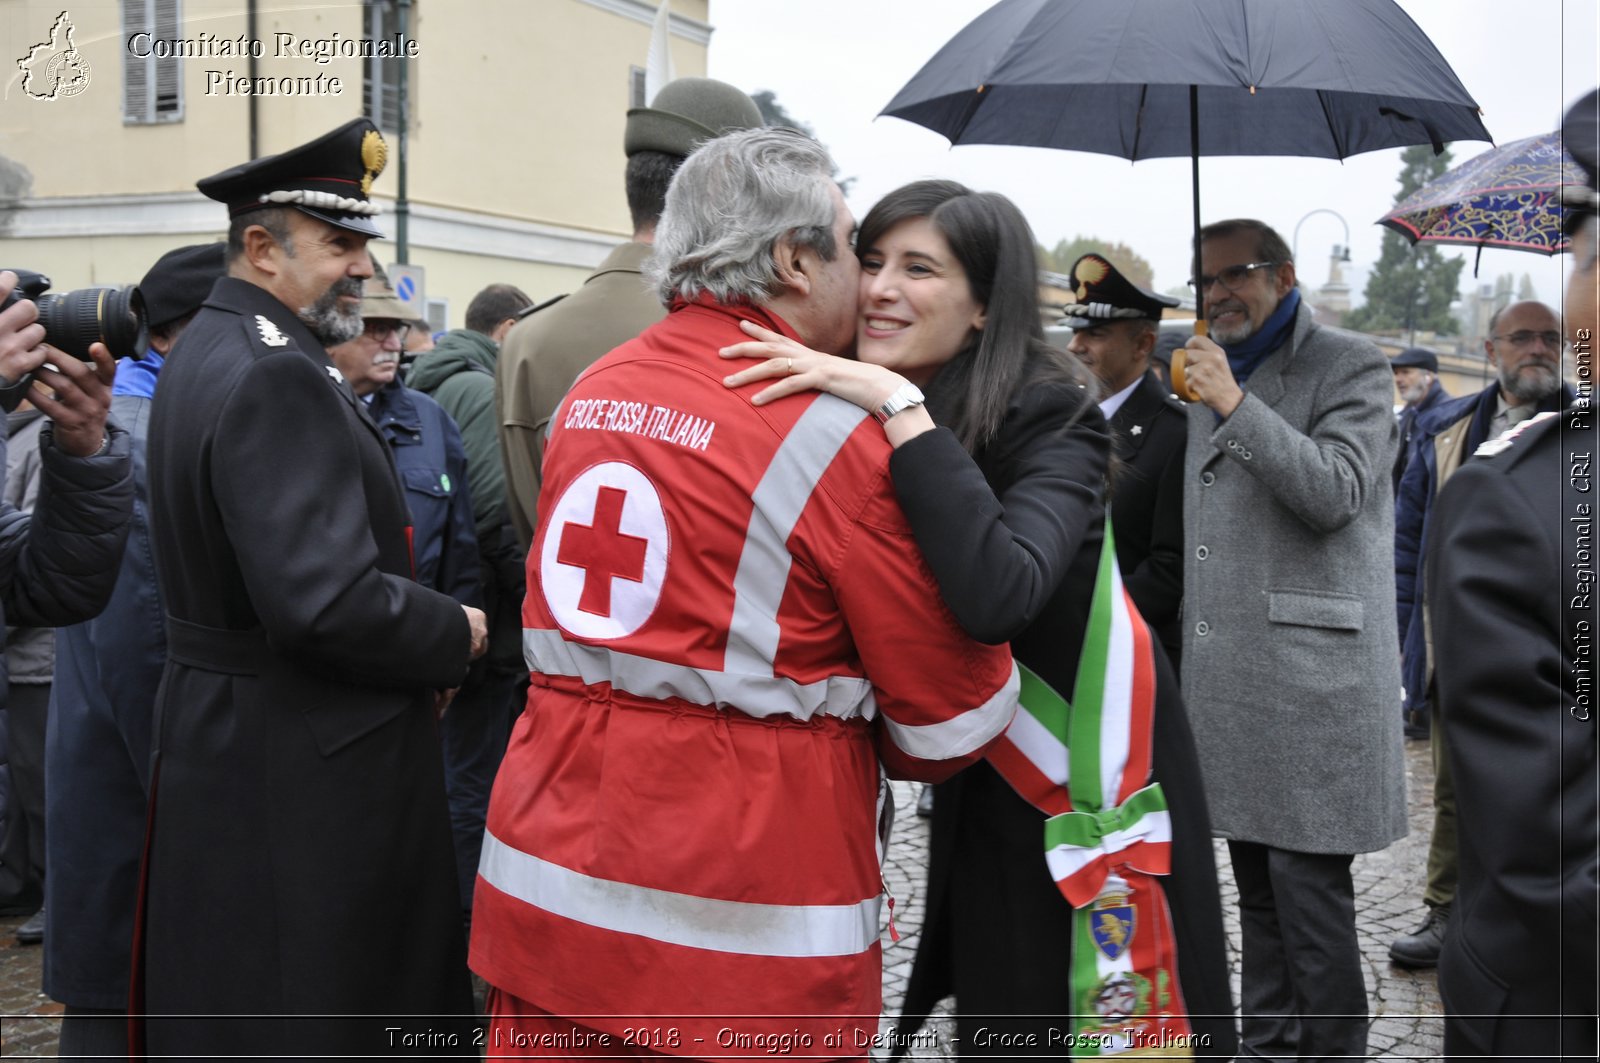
column 113, row 316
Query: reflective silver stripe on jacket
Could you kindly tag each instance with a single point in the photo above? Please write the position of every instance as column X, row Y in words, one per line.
column 739, row 927
column 548, row 653
column 780, row 498
column 967, row 732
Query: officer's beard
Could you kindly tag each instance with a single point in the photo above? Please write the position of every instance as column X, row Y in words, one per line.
column 327, row 318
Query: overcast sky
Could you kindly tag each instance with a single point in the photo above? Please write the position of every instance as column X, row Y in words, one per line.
column 836, row 63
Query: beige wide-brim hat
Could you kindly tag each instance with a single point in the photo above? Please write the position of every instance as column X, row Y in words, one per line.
column 378, row 298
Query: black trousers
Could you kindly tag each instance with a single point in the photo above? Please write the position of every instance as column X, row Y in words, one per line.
column 1301, row 995
column 22, row 826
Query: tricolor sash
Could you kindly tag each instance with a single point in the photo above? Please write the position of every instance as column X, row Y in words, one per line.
column 1086, row 765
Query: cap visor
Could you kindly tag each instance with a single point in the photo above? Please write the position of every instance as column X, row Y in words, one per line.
column 356, row 223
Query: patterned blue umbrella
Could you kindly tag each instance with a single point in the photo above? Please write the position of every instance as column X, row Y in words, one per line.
column 1507, row 197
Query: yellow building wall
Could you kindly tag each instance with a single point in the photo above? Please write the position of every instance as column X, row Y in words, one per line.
column 529, row 109
column 514, row 161
column 89, row 261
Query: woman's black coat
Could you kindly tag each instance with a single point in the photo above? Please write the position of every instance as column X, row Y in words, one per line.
column 1014, row 539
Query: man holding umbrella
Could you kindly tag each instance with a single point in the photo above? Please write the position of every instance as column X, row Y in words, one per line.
column 1291, row 664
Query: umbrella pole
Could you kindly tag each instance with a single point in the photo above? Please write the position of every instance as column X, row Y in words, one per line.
column 1180, row 383
column 1194, row 165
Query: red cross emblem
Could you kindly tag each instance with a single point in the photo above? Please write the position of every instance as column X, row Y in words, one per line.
column 603, row 551
column 603, row 559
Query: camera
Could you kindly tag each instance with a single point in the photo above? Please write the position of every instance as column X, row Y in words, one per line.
column 74, row 320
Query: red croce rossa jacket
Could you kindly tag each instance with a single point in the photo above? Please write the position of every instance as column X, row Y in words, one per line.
column 729, row 629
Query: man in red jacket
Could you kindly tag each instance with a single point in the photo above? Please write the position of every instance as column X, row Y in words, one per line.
column 729, row 628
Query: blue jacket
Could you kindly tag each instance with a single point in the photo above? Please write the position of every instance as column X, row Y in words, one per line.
column 1436, row 451
column 433, row 467
column 1408, row 427
column 97, row 749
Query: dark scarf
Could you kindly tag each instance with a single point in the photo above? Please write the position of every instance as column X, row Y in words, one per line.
column 1250, row 352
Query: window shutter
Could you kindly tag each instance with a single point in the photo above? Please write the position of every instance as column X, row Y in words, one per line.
column 152, row 87
column 380, row 82
column 168, row 99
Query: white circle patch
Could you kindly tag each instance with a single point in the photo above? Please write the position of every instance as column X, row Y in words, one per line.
column 604, row 557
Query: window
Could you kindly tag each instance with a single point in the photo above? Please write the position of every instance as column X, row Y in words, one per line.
column 438, row 315
column 152, row 85
column 380, row 81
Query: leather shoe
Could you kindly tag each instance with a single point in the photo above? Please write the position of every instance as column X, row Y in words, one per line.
column 925, row 802
column 1420, row 948
column 1418, row 725
column 32, row 931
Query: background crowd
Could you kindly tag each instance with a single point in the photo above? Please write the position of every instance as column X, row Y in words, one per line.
column 568, row 649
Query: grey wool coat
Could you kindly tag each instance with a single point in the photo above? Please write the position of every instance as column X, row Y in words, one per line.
column 1291, row 660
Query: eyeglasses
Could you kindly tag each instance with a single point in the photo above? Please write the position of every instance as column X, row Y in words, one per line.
column 1232, row 278
column 382, row 330
column 1525, row 337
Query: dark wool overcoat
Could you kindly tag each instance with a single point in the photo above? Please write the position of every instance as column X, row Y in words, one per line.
column 1149, row 432
column 300, row 859
column 1014, row 539
column 1510, row 575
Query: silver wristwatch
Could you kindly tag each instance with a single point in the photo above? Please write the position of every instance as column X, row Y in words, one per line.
column 902, row 398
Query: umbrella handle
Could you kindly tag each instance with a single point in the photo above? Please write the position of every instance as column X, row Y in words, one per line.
column 1180, row 382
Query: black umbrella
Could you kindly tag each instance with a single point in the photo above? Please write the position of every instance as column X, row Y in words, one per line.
column 1145, row 79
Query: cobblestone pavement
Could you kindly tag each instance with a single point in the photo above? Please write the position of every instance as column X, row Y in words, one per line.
column 1407, row 1020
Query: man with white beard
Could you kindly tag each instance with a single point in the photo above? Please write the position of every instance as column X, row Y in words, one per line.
column 1416, row 381
column 428, row 451
column 1525, row 345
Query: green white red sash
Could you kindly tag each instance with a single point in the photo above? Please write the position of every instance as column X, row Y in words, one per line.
column 1086, row 765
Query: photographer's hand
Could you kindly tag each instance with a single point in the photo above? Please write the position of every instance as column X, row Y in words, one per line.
column 76, row 396
column 20, row 334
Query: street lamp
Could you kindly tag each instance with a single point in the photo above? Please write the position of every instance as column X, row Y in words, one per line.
column 1342, row 250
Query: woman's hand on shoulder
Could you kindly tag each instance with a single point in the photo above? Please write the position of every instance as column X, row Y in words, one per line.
column 797, row 368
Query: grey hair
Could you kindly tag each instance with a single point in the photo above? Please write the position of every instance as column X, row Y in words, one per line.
column 273, row 219
column 729, row 205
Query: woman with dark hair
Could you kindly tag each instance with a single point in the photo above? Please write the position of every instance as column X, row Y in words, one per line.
column 1001, row 473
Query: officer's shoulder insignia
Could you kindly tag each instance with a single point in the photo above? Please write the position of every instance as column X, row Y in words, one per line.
column 1137, row 430
column 1503, row 441
column 270, row 334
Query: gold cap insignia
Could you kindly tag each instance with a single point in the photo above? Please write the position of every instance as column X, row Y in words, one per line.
column 374, row 155
column 1090, row 270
